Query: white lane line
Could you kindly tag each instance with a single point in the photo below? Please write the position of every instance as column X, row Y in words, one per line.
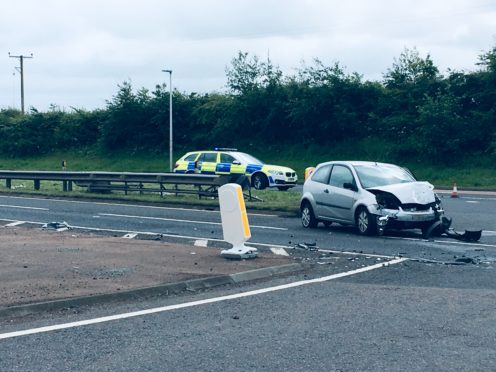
column 196, row 303
column 201, row 243
column 130, row 236
column 133, row 205
column 454, row 242
column 12, row 224
column 488, row 233
column 23, row 207
column 186, row 221
column 472, row 201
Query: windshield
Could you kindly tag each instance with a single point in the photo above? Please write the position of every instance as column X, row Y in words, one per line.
column 246, row 158
column 374, row 175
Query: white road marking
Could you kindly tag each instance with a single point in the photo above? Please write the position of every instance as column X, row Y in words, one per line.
column 279, row 251
column 488, row 233
column 201, row 242
column 12, row 224
column 186, row 221
column 133, row 205
column 130, row 236
column 472, row 201
column 196, row 303
column 23, row 207
column 475, row 244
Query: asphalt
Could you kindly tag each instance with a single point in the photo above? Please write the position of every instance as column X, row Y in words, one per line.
column 47, row 270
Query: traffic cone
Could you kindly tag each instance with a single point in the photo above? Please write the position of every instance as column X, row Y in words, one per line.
column 454, row 193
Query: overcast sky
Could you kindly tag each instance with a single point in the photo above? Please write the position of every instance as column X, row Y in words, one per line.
column 83, row 49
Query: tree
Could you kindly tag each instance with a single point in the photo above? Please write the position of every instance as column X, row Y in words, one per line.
column 410, row 69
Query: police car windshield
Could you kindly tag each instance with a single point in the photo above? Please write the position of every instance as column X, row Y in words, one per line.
column 246, row 158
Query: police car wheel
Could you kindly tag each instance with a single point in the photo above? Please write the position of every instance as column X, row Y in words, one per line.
column 259, row 181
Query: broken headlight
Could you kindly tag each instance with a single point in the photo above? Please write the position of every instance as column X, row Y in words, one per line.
column 388, row 201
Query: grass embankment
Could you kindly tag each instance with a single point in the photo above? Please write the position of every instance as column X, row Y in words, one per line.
column 468, row 176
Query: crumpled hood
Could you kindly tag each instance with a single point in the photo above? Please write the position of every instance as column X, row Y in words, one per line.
column 411, row 192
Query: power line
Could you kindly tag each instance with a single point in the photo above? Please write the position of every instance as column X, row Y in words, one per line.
column 21, row 70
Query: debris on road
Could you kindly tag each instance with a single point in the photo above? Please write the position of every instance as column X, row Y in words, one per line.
column 58, row 226
column 443, row 227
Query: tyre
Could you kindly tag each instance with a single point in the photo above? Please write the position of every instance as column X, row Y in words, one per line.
column 259, row 181
column 365, row 222
column 308, row 219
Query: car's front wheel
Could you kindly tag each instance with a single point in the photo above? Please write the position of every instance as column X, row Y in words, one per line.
column 365, row 222
column 308, row 219
column 259, row 181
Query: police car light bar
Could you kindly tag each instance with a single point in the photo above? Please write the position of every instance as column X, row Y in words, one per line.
column 224, row 149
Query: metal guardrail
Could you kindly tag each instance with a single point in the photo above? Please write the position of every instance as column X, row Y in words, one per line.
column 204, row 184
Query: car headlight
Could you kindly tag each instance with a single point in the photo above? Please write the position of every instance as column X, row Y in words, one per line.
column 276, row 173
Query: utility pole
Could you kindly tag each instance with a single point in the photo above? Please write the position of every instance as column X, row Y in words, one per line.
column 21, row 70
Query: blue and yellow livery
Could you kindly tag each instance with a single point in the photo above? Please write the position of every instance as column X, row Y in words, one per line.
column 232, row 162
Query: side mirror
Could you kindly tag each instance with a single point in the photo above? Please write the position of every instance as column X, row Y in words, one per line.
column 350, row 186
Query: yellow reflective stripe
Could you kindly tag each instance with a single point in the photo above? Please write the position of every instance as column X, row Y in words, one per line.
column 208, row 167
column 236, row 168
column 244, row 215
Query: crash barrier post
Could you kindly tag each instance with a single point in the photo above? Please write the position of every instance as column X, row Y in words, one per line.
column 235, row 226
column 308, row 172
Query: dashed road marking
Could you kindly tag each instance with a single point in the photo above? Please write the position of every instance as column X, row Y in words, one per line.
column 130, row 236
column 23, row 207
column 201, row 242
column 16, row 223
column 279, row 251
column 185, row 221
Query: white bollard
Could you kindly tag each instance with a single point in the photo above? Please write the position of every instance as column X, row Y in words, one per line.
column 235, row 222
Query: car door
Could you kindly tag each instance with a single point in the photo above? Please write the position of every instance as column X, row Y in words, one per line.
column 340, row 194
column 225, row 163
column 207, row 162
column 318, row 186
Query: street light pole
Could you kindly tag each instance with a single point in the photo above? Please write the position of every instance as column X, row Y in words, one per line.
column 170, row 118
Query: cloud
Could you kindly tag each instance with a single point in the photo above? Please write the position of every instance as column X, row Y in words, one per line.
column 84, row 49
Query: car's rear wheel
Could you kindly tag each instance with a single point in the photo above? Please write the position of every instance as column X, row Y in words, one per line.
column 365, row 222
column 308, row 219
column 259, row 181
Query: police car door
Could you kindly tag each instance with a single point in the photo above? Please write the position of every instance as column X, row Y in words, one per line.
column 341, row 194
column 207, row 162
column 225, row 163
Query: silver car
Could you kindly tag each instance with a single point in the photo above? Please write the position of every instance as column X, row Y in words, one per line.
column 369, row 195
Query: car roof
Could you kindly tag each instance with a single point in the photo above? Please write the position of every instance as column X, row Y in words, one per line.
column 356, row 162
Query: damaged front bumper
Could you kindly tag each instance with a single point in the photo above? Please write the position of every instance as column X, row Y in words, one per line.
column 404, row 219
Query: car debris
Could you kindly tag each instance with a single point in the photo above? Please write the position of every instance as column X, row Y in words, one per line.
column 308, row 246
column 58, row 226
column 443, row 227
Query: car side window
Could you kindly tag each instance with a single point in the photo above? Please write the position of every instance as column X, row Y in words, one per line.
column 340, row 175
column 226, row 158
column 191, row 157
column 210, row 157
column 322, row 174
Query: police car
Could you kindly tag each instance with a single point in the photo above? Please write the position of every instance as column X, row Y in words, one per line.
column 233, row 162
